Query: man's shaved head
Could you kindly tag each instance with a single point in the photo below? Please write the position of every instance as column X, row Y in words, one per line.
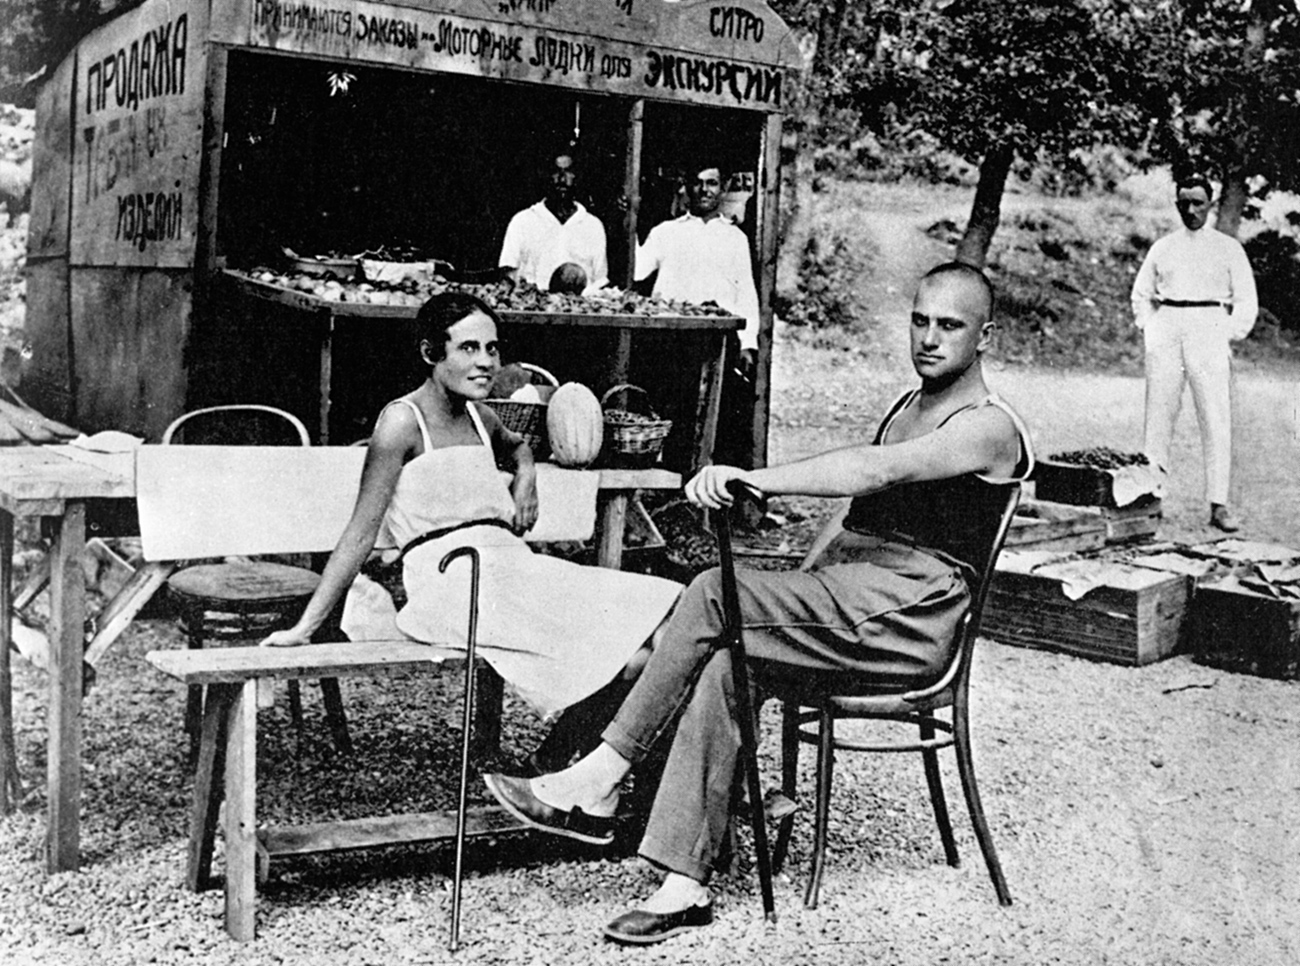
column 976, row 278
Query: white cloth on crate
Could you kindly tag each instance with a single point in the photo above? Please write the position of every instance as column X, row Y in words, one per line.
column 537, row 243
column 554, row 630
column 1189, row 344
column 700, row 261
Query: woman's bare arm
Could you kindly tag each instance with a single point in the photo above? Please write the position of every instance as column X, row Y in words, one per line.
column 390, row 444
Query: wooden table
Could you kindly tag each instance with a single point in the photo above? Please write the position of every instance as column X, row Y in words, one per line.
column 37, row 482
column 41, row 482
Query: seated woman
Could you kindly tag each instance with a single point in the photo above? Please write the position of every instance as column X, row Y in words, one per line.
column 561, row 634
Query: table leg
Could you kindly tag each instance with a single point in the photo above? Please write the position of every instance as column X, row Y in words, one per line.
column 610, row 525
column 710, row 402
column 66, row 636
column 11, row 789
column 326, row 374
column 241, row 814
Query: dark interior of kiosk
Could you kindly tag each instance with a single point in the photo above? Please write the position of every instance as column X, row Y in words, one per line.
column 435, row 163
column 433, row 166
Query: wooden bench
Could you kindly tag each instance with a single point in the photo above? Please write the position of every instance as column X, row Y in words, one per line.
column 229, row 744
column 214, row 501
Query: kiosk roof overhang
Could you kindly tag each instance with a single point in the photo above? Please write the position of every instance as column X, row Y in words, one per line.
column 722, row 53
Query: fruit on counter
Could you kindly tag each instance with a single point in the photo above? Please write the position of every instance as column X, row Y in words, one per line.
column 502, row 295
column 1100, row 458
column 575, row 425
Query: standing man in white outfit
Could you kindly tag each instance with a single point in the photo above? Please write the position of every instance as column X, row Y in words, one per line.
column 556, row 231
column 1194, row 294
column 700, row 257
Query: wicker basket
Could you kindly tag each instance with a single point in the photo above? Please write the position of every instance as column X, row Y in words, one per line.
column 631, row 438
column 528, row 419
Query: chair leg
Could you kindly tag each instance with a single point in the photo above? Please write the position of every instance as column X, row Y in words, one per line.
column 825, row 767
column 295, row 713
column 966, row 767
column 335, row 715
column 489, row 695
column 789, row 779
column 932, row 777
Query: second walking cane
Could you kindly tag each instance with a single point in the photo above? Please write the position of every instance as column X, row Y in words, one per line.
column 744, row 698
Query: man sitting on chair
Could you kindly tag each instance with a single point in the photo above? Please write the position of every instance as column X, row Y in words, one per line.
column 881, row 596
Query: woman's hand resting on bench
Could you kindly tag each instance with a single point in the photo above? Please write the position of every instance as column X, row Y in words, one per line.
column 292, row 637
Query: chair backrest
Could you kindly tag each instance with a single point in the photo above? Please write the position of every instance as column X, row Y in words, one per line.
column 239, row 424
column 958, row 670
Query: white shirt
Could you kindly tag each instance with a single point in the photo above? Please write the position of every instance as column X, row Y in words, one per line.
column 1197, row 266
column 537, row 243
column 703, row 261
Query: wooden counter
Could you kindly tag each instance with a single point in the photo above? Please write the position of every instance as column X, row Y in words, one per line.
column 329, row 314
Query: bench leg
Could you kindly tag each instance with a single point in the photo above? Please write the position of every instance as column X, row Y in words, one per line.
column 241, row 814
column 211, row 761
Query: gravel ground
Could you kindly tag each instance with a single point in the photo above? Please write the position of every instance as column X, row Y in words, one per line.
column 1143, row 816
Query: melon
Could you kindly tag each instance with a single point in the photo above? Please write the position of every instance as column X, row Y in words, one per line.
column 575, row 425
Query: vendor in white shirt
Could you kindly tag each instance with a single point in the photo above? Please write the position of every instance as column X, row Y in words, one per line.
column 1193, row 295
column 556, row 231
column 702, row 256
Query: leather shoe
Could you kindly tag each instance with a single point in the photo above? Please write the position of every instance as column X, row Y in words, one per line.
column 1224, row 519
column 642, row 928
column 516, row 797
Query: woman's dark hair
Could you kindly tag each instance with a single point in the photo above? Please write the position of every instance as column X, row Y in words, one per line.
column 443, row 311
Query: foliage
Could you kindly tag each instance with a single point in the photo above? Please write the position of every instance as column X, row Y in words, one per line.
column 1275, row 259
column 1225, row 93
column 39, row 33
column 824, row 294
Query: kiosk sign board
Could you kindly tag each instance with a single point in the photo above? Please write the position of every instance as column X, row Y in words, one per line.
column 723, row 53
column 137, row 137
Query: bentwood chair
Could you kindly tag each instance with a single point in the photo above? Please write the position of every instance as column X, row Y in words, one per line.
column 241, row 599
column 810, row 717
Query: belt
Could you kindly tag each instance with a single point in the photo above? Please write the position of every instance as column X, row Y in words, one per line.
column 440, row 533
column 1190, row 304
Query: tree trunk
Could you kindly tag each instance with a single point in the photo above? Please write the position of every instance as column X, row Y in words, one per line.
column 986, row 211
column 1232, row 202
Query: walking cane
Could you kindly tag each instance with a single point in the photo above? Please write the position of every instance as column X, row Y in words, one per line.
column 465, row 732
column 744, row 704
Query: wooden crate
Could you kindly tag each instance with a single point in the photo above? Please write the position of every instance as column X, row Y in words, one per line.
column 1239, row 629
column 1135, row 522
column 1136, row 620
column 1039, row 525
column 1076, row 485
column 1044, row 525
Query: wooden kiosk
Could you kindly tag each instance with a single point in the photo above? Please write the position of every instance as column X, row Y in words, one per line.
column 187, row 142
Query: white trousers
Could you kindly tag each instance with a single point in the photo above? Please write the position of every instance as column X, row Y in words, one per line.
column 1190, row 345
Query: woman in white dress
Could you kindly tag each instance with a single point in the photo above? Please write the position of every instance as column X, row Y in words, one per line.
column 559, row 633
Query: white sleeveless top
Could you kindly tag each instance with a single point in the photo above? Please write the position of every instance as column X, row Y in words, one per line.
column 446, row 487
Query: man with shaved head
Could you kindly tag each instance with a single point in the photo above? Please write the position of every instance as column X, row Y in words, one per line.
column 883, row 590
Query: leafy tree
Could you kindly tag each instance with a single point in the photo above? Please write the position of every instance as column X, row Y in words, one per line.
column 1231, row 86
column 1033, row 79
